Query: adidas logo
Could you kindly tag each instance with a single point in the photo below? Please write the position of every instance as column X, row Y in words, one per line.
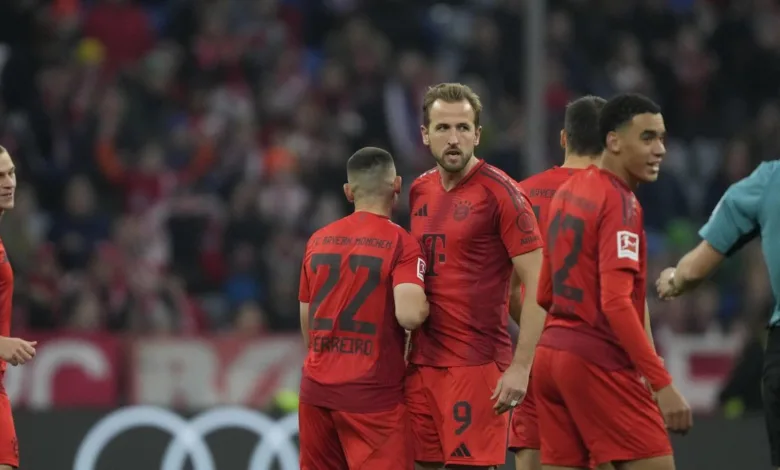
column 461, row 451
column 422, row 212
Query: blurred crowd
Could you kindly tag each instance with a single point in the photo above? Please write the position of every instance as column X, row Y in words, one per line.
column 174, row 155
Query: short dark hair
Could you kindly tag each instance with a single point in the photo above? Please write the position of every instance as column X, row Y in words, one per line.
column 581, row 125
column 369, row 158
column 450, row 93
column 621, row 109
column 367, row 167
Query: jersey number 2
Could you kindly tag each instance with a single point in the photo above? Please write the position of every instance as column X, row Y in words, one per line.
column 346, row 318
column 559, row 224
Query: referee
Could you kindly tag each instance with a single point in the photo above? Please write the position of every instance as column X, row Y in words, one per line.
column 749, row 208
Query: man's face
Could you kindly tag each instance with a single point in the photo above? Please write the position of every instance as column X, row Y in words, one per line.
column 451, row 134
column 7, row 181
column 641, row 145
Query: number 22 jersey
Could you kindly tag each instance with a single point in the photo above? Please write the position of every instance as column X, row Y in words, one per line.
column 470, row 235
column 355, row 361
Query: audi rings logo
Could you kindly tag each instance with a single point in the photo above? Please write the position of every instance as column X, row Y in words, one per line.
column 276, row 437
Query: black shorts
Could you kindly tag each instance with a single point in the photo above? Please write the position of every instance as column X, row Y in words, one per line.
column 770, row 388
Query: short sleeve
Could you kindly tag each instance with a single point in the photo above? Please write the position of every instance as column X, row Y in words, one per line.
column 620, row 233
column 517, row 223
column 304, row 295
column 409, row 266
column 735, row 220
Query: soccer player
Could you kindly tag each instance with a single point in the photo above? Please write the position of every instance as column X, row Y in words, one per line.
column 476, row 226
column 747, row 209
column 362, row 284
column 593, row 408
column 582, row 144
column 14, row 351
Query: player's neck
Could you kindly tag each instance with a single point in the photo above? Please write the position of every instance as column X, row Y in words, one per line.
column 613, row 166
column 382, row 210
column 579, row 162
column 450, row 180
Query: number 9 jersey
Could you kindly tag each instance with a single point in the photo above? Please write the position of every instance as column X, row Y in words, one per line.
column 355, row 361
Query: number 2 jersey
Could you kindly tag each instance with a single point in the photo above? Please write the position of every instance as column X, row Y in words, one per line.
column 470, row 235
column 595, row 234
column 355, row 361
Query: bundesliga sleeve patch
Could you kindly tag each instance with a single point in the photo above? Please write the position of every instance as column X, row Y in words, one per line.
column 421, row 269
column 627, row 245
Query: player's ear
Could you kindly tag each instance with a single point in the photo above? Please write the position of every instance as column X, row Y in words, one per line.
column 477, row 134
column 397, row 183
column 348, row 193
column 425, row 137
column 563, row 139
column 613, row 142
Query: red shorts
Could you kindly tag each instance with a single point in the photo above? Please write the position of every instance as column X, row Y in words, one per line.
column 338, row 440
column 452, row 415
column 589, row 416
column 524, row 426
column 9, row 446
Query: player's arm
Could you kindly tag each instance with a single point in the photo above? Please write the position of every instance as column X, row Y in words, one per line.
column 528, row 267
column 515, row 297
column 733, row 223
column 304, row 298
column 619, row 254
column 304, row 312
column 521, row 237
column 411, row 305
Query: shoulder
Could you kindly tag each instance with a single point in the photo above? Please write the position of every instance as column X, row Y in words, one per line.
column 394, row 228
column 587, row 190
column 331, row 229
column 620, row 200
column 768, row 169
column 423, row 180
column 498, row 183
column 551, row 176
column 590, row 182
column 760, row 178
column 402, row 235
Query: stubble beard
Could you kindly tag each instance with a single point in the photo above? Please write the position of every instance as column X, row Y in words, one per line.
column 454, row 168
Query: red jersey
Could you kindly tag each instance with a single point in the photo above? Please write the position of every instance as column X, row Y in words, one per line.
column 595, row 228
column 470, row 235
column 541, row 188
column 6, row 299
column 355, row 361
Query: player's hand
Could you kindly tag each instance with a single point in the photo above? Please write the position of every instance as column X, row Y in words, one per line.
column 16, row 351
column 510, row 389
column 664, row 284
column 676, row 411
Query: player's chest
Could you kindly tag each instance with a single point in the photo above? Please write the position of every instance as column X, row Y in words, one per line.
column 456, row 217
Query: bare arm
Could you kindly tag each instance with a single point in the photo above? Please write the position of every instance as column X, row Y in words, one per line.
column 694, row 267
column 527, row 267
column 304, row 311
column 515, row 297
column 411, row 305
